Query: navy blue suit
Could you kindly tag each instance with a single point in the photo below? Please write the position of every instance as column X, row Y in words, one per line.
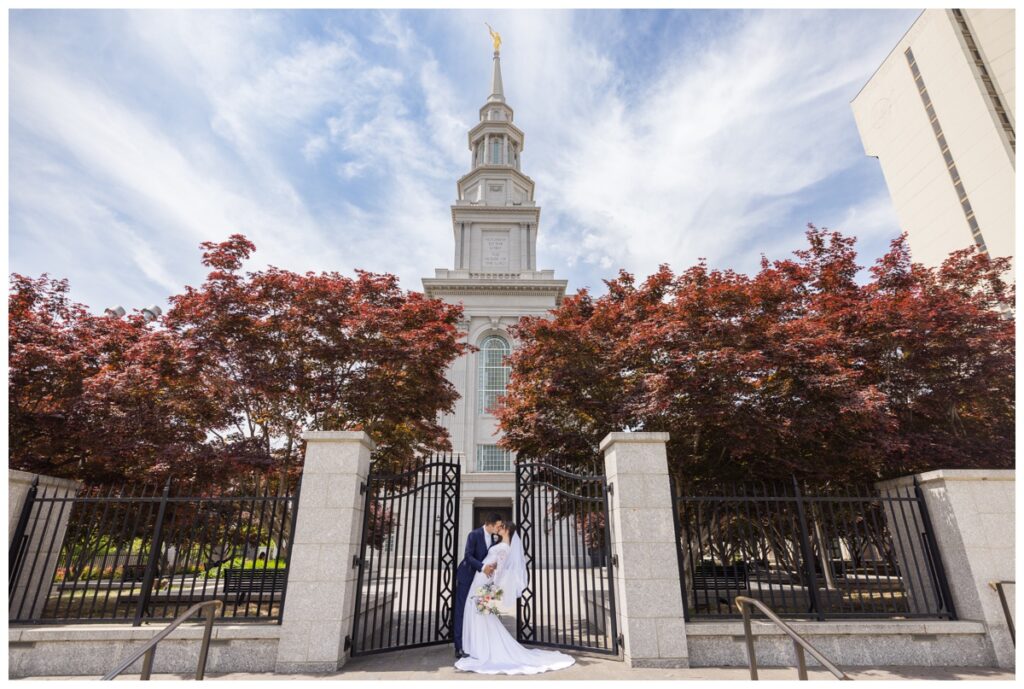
column 477, row 545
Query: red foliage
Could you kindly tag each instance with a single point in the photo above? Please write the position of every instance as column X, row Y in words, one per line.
column 229, row 379
column 101, row 399
column 797, row 370
column 289, row 352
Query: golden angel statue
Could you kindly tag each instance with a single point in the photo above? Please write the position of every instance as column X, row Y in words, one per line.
column 495, row 36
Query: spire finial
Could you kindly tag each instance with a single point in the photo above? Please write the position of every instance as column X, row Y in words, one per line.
column 495, row 36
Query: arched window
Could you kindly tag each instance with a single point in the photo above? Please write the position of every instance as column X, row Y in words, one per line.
column 494, row 372
column 496, row 151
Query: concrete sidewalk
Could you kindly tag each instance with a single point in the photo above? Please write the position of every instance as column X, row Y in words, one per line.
column 435, row 663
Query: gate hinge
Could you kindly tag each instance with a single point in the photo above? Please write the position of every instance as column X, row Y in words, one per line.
column 348, row 642
column 620, row 639
column 362, row 487
column 356, row 561
column 611, row 489
column 615, row 560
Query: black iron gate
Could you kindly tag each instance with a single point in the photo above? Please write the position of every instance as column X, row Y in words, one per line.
column 406, row 583
column 569, row 601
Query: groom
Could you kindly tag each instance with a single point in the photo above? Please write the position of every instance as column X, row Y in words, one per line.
column 477, row 545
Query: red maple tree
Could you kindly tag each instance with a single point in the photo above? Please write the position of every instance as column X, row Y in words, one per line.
column 797, row 370
column 100, row 399
column 289, row 352
column 224, row 384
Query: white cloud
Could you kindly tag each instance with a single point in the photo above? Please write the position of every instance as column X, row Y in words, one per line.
column 391, row 31
column 642, row 153
column 145, row 172
column 704, row 160
column 151, row 178
column 717, row 149
column 62, row 222
column 872, row 219
column 314, row 147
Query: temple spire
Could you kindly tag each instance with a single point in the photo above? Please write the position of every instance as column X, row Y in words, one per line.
column 497, row 89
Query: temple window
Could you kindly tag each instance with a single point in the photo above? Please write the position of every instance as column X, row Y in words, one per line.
column 494, row 372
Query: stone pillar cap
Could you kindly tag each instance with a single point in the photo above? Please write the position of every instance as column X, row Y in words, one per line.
column 950, row 475
column 340, row 437
column 627, row 437
column 15, row 475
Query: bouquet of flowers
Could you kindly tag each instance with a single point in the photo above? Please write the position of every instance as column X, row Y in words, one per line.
column 486, row 599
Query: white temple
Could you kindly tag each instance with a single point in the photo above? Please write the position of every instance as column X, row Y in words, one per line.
column 494, row 276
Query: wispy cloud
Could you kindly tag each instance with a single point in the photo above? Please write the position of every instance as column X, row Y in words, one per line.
column 716, row 152
column 334, row 139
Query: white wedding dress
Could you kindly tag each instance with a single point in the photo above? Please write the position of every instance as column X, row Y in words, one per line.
column 492, row 650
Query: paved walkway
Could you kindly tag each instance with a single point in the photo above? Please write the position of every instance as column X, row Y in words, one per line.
column 435, row 663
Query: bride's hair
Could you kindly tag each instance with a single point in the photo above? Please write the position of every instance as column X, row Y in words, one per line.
column 511, row 528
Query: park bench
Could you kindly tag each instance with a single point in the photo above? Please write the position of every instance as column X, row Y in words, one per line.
column 133, row 573
column 720, row 578
column 263, row 583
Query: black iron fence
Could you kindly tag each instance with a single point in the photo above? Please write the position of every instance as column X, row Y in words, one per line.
column 150, row 553
column 850, row 553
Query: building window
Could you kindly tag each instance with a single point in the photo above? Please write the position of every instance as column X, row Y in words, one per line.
column 496, row 151
column 493, row 458
column 990, row 88
column 494, row 372
column 947, row 155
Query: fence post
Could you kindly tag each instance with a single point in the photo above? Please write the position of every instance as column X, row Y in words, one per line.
column 17, row 545
column 154, row 557
column 649, row 608
column 328, row 535
column 674, row 494
column 42, row 541
column 807, row 553
column 291, row 540
column 933, row 551
column 971, row 522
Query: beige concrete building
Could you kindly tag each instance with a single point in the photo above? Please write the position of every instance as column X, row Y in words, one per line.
column 939, row 115
column 494, row 276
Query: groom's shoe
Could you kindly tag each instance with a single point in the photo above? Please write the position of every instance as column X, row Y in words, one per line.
column 459, row 653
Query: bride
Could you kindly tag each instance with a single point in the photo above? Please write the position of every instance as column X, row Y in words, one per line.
column 491, row 649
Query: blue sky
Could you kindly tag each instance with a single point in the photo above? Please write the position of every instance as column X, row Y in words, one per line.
column 333, row 139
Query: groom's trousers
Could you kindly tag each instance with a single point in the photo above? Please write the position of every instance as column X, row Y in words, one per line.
column 461, row 596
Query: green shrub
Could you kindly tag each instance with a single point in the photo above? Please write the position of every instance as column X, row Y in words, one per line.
column 89, row 573
column 244, row 563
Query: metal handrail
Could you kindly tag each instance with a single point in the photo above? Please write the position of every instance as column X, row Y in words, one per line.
column 799, row 643
column 149, row 649
column 997, row 586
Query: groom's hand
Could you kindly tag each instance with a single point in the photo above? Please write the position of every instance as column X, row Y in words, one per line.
column 489, row 569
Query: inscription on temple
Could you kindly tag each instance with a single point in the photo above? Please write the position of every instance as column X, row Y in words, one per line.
column 495, row 250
